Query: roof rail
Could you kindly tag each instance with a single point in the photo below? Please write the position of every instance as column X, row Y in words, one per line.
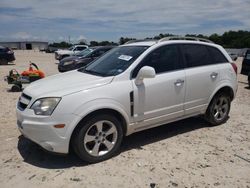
column 185, row 38
column 140, row 40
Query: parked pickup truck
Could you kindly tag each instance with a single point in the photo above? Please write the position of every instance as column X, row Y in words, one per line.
column 60, row 54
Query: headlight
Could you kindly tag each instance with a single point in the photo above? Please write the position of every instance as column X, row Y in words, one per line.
column 68, row 62
column 45, row 106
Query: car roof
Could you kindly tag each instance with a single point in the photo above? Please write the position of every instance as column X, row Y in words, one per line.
column 169, row 40
column 151, row 43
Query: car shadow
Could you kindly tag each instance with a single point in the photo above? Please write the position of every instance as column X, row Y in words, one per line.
column 140, row 139
column 35, row 155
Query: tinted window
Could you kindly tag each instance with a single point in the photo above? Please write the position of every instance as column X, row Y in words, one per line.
column 196, row 55
column 80, row 48
column 217, row 56
column 163, row 59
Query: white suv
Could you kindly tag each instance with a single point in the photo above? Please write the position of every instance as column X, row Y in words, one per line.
column 60, row 54
column 131, row 88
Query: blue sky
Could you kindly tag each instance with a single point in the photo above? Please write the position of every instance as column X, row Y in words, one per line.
column 50, row 20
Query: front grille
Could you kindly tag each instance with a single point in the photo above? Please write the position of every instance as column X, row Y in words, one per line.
column 23, row 102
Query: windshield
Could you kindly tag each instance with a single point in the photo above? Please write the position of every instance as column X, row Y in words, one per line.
column 71, row 48
column 114, row 61
column 83, row 53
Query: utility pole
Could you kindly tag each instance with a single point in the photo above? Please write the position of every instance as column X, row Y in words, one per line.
column 69, row 39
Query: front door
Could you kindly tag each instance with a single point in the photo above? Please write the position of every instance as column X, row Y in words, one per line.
column 161, row 98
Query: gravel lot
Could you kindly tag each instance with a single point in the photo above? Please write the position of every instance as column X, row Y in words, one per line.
column 187, row 153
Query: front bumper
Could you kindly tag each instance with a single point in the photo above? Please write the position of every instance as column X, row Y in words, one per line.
column 41, row 130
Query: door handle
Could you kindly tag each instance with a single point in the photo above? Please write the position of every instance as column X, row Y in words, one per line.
column 179, row 82
column 213, row 75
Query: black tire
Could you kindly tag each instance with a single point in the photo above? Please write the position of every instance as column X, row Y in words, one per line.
column 16, row 88
column 3, row 61
column 218, row 109
column 85, row 151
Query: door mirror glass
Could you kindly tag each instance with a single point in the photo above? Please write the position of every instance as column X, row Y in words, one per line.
column 144, row 72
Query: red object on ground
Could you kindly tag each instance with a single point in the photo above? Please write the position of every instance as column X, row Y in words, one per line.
column 32, row 72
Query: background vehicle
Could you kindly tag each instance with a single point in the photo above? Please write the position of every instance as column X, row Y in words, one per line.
column 79, row 54
column 82, row 58
column 233, row 56
column 130, row 88
column 6, row 55
column 60, row 54
column 245, row 69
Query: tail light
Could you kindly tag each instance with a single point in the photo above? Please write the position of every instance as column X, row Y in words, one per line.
column 234, row 67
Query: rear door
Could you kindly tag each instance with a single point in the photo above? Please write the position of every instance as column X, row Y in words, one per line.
column 202, row 77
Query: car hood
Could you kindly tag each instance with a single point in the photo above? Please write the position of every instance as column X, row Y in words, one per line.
column 64, row 84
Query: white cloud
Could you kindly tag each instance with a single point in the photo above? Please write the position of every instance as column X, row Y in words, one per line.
column 142, row 16
column 21, row 35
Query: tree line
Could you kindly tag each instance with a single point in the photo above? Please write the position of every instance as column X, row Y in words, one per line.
column 229, row 39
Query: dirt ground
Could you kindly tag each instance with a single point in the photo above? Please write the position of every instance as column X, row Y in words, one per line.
column 187, row 153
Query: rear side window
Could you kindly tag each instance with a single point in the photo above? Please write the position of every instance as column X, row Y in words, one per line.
column 216, row 54
column 196, row 55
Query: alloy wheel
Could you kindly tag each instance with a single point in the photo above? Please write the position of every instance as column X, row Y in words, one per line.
column 100, row 138
column 221, row 108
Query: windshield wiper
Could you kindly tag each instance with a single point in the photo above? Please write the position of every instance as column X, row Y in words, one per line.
column 92, row 72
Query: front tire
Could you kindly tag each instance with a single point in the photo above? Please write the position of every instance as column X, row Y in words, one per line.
column 98, row 138
column 218, row 109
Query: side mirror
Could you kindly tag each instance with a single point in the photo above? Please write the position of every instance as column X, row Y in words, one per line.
column 144, row 72
column 235, row 58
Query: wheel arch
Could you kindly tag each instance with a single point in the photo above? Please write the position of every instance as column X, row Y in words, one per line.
column 93, row 113
column 226, row 89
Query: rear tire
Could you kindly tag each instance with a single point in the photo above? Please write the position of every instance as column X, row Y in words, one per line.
column 98, row 138
column 218, row 109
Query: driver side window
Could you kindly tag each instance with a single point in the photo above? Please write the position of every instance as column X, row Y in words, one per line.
column 162, row 59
